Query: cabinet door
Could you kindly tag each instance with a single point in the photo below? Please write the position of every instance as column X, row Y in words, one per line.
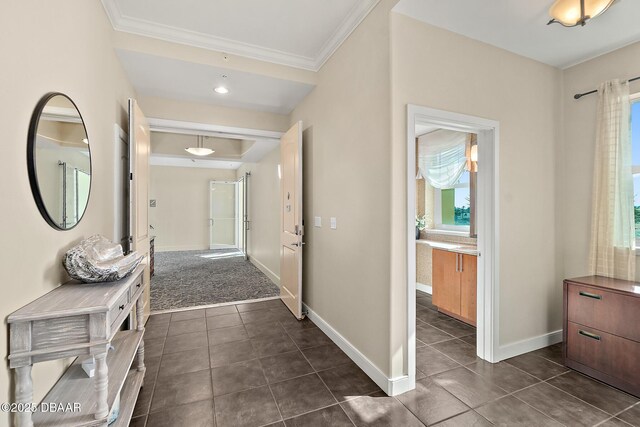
column 446, row 281
column 468, row 285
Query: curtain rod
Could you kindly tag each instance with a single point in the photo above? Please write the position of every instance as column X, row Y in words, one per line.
column 580, row 95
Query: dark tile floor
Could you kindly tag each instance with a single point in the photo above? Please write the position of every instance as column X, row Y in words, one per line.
column 255, row 365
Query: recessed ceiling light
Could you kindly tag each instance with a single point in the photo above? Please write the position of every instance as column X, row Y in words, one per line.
column 221, row 90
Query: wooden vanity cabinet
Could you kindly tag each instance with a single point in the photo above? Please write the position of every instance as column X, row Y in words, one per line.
column 454, row 284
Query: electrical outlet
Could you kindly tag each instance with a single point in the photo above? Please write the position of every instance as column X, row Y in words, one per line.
column 334, row 223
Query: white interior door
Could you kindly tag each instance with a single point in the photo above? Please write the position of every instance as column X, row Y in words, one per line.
column 222, row 218
column 139, row 151
column 292, row 229
column 121, row 189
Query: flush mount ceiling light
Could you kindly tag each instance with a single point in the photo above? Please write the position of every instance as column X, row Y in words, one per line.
column 200, row 149
column 221, row 90
column 571, row 13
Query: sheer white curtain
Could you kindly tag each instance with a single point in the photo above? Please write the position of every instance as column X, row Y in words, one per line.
column 442, row 157
column 612, row 225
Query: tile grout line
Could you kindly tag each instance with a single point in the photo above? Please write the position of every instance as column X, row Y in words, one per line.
column 534, row 408
column 513, row 394
column 625, row 410
column 460, row 364
column 316, row 373
column 469, row 408
column 530, row 374
column 155, row 380
column 576, row 397
column 540, row 381
column 213, row 400
column 612, row 418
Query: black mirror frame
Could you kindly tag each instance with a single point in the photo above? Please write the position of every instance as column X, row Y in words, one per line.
column 31, row 160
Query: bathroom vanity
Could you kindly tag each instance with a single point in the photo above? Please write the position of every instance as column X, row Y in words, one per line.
column 454, row 281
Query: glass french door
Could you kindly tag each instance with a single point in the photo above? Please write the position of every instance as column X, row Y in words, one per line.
column 223, row 215
column 242, row 223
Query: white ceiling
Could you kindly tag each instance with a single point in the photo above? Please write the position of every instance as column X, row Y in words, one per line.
column 520, row 27
column 298, row 33
column 171, row 78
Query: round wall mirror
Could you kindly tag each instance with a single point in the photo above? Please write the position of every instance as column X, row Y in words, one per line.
column 59, row 161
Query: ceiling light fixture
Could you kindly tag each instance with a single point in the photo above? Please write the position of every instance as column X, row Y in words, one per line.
column 571, row 13
column 200, row 149
column 221, row 90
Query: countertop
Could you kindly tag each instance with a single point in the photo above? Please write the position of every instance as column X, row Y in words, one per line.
column 451, row 247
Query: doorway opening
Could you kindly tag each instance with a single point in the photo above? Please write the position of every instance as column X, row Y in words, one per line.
column 227, row 215
column 200, row 210
column 452, row 231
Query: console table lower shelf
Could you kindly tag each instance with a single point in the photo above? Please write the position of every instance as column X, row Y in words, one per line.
column 75, row 387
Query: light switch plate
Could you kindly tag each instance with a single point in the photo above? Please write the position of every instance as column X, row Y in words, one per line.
column 317, row 221
column 334, row 223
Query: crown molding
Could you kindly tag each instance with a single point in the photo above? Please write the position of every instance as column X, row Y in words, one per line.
column 121, row 22
column 348, row 26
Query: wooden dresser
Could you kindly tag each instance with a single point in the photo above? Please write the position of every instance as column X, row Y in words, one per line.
column 602, row 330
column 80, row 320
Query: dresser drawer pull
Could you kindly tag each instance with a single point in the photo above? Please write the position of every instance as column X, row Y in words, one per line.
column 590, row 295
column 121, row 307
column 589, row 335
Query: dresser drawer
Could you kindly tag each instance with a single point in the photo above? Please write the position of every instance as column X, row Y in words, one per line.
column 604, row 352
column 135, row 287
column 119, row 308
column 607, row 311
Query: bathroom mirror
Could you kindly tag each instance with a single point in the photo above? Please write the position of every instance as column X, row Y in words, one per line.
column 59, row 161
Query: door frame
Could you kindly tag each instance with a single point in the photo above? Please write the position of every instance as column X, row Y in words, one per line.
column 243, row 216
column 488, row 132
column 235, row 214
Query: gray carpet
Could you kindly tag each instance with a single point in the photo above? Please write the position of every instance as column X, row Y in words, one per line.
column 193, row 278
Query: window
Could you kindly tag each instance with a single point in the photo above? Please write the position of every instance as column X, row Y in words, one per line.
column 446, row 166
column 453, row 206
column 635, row 147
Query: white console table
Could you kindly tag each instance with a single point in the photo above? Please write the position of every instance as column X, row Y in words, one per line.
column 83, row 320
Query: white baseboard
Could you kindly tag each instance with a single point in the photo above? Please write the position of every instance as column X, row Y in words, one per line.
column 524, row 346
column 267, row 272
column 424, row 288
column 391, row 386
